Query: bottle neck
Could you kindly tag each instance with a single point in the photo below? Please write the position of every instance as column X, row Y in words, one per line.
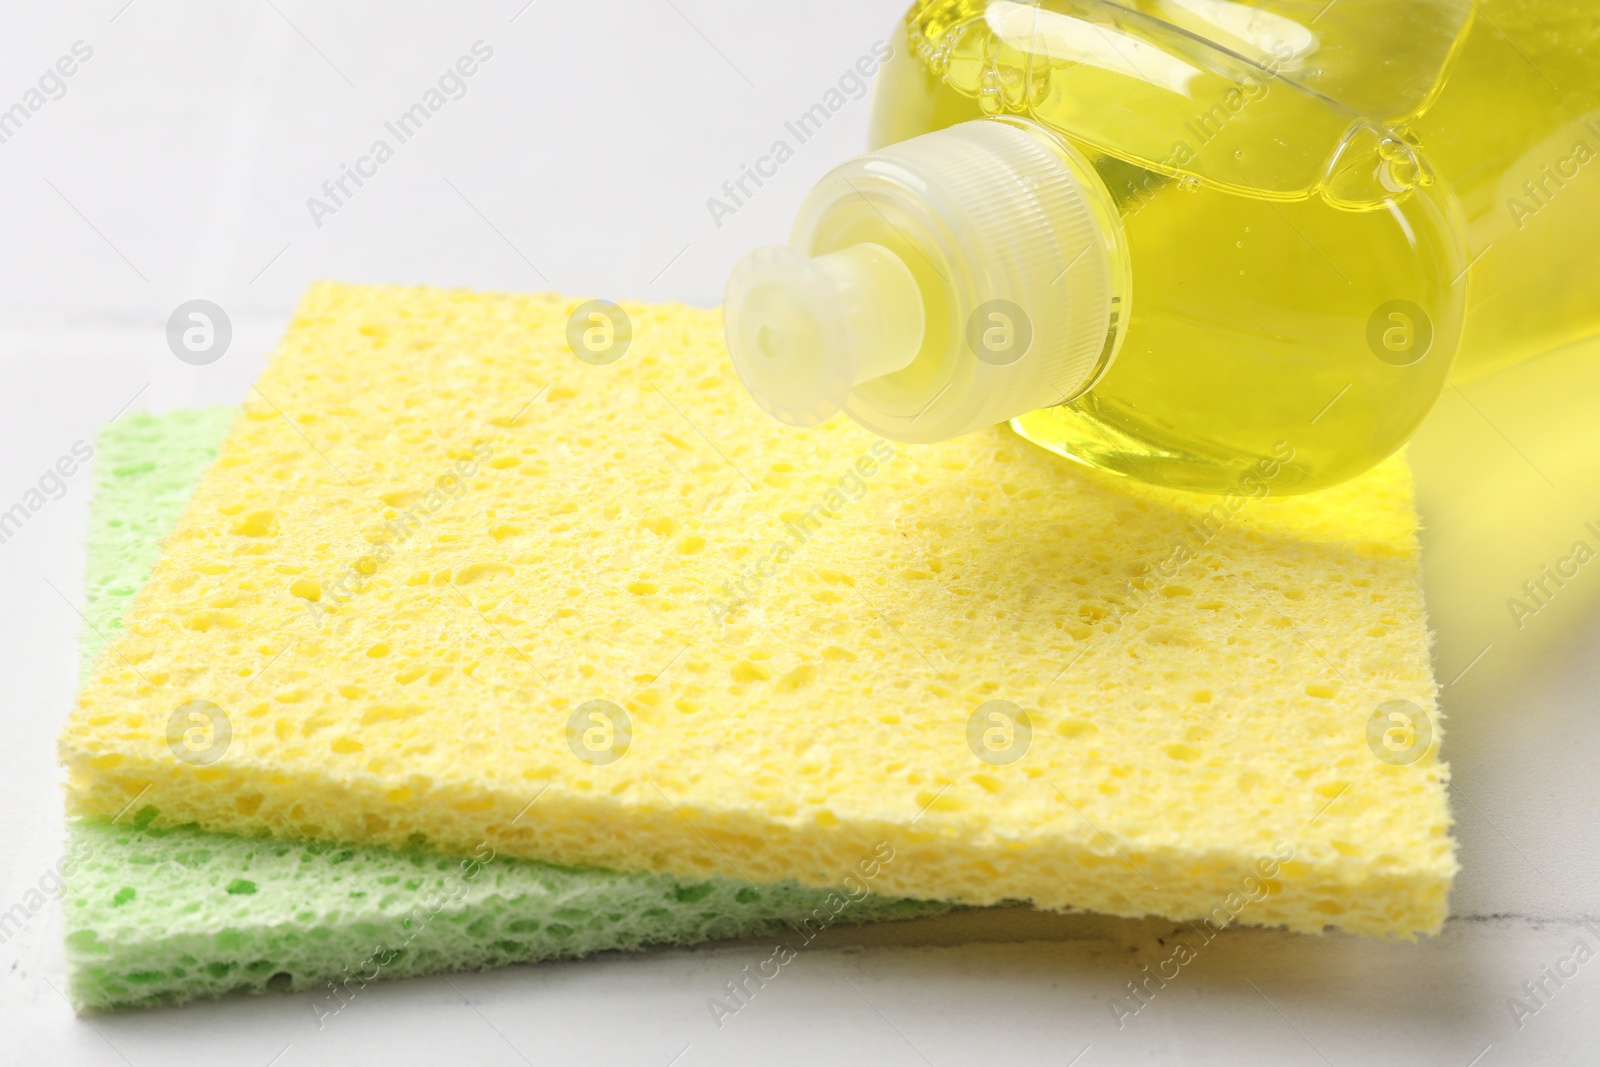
column 938, row 286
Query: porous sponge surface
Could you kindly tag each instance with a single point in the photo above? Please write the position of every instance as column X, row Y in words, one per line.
column 156, row 916
column 148, row 468
column 162, row 916
column 435, row 535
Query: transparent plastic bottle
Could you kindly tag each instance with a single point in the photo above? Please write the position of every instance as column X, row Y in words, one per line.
column 1173, row 238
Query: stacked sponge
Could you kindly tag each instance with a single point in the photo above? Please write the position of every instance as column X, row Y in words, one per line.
column 163, row 915
column 443, row 569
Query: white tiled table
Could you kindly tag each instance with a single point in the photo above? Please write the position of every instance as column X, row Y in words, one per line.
column 178, row 164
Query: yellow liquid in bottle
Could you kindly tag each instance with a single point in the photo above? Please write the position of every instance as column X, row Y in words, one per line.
column 1319, row 214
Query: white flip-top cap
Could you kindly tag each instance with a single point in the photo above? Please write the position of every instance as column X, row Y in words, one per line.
column 935, row 287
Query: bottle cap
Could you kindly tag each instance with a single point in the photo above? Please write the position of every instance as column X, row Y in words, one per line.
column 936, row 286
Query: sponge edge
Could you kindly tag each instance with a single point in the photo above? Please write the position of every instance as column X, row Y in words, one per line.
column 163, row 916
column 157, row 916
column 804, row 627
column 147, row 469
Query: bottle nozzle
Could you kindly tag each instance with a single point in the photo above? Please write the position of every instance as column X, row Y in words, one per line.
column 804, row 331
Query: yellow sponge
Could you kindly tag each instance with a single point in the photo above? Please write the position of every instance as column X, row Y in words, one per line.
column 449, row 583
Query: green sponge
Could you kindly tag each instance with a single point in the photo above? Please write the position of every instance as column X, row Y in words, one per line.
column 161, row 916
column 147, row 469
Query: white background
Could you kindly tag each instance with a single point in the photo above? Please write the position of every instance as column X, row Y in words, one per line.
column 177, row 166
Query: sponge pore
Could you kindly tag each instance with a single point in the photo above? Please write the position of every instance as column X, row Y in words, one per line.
column 443, row 567
column 157, row 916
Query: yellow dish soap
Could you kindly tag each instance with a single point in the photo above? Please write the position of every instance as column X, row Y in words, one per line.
column 1190, row 241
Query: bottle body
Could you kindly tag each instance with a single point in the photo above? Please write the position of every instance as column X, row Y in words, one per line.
column 1323, row 221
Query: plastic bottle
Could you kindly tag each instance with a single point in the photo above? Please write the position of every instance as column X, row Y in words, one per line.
column 1175, row 238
